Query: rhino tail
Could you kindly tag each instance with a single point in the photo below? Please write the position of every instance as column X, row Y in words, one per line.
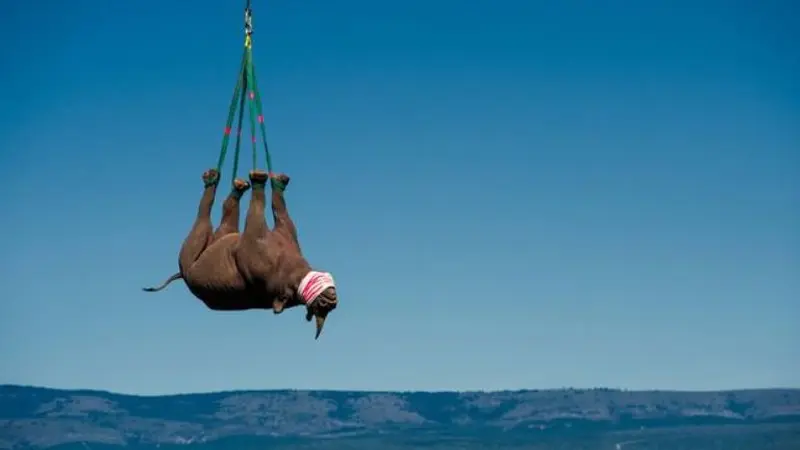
column 176, row 276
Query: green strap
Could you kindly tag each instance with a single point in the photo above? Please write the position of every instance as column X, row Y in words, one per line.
column 238, row 146
column 246, row 88
column 261, row 122
column 251, row 106
column 237, row 91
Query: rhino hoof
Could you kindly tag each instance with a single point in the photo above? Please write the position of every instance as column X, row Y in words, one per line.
column 241, row 185
column 210, row 177
column 281, row 179
column 258, row 177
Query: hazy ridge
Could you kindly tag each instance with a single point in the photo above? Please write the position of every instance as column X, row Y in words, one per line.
column 42, row 417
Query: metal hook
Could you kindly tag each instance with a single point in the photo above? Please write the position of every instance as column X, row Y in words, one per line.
column 248, row 21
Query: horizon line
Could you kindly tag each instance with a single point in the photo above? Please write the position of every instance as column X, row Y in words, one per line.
column 398, row 391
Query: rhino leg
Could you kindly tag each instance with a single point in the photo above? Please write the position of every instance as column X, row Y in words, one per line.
column 230, row 209
column 202, row 231
column 252, row 252
column 280, row 213
column 255, row 226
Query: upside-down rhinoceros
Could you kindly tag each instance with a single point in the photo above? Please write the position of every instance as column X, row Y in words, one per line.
column 258, row 268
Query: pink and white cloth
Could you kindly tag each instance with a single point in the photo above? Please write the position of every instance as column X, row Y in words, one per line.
column 313, row 284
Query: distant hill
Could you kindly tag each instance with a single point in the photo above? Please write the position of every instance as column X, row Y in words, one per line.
column 41, row 417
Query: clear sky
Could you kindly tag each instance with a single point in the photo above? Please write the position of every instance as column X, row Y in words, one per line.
column 510, row 194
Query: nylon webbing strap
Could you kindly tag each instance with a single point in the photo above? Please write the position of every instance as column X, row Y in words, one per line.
column 243, row 83
column 261, row 121
column 231, row 111
column 246, row 90
column 251, row 106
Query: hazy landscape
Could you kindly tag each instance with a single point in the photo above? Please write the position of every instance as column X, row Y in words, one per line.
column 32, row 417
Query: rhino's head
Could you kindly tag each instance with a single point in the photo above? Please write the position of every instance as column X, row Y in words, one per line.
column 319, row 309
column 318, row 291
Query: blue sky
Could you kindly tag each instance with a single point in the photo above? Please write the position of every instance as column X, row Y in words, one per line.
column 510, row 194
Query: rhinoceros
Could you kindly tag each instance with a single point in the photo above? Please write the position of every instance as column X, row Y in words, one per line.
column 258, row 268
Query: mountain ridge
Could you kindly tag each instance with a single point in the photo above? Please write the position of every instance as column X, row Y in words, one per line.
column 42, row 417
column 394, row 391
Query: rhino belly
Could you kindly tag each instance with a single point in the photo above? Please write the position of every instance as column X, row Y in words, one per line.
column 215, row 279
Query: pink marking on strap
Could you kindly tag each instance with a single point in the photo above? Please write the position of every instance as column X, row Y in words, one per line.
column 260, row 118
column 313, row 284
column 254, row 139
column 227, row 131
column 252, row 95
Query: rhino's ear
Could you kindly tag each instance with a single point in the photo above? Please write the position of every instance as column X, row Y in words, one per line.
column 278, row 304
